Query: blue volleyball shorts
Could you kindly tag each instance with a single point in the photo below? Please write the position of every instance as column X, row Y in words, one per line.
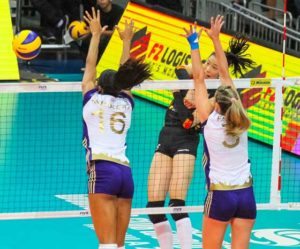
column 223, row 205
column 110, row 178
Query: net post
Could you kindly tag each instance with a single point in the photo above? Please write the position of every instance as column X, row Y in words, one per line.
column 275, row 192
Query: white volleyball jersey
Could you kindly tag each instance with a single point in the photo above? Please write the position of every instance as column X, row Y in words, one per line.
column 225, row 157
column 106, row 122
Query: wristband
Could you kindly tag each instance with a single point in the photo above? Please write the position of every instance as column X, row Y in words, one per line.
column 193, row 41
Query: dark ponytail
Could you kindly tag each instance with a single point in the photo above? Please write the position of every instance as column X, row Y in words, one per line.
column 130, row 74
column 236, row 56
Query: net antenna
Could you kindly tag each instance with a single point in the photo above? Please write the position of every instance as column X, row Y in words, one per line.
column 284, row 37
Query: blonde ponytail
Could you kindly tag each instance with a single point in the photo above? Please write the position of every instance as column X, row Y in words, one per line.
column 236, row 118
column 231, row 107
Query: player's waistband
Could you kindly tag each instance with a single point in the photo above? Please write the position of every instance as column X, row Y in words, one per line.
column 105, row 157
column 223, row 186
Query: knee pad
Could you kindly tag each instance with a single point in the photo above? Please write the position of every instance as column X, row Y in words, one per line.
column 177, row 203
column 156, row 218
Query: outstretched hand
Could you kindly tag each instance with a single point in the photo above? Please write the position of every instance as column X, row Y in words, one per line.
column 193, row 36
column 94, row 22
column 128, row 31
column 215, row 27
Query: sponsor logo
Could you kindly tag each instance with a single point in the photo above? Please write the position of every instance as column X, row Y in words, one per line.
column 183, row 150
column 260, row 82
column 276, row 237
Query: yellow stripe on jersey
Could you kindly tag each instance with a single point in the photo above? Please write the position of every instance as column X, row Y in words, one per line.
column 92, row 178
column 204, row 160
column 208, row 203
column 84, row 143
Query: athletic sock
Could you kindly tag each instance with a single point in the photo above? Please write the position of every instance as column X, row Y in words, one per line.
column 164, row 234
column 108, row 246
column 185, row 233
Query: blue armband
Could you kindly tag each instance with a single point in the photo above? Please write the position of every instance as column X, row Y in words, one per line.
column 193, row 41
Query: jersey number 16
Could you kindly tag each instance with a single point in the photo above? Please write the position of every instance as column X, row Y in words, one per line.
column 116, row 121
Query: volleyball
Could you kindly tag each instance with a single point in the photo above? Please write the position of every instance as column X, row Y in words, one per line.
column 78, row 29
column 27, row 45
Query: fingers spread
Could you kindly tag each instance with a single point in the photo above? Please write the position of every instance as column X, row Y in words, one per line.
column 200, row 32
column 93, row 12
column 98, row 15
column 88, row 16
column 186, row 31
column 86, row 19
column 212, row 21
column 104, row 28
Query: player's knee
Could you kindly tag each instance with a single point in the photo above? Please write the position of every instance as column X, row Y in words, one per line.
column 178, row 203
column 156, row 218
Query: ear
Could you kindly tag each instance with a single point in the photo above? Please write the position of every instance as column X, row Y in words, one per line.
column 217, row 107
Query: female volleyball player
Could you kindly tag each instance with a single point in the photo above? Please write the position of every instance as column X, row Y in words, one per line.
column 230, row 198
column 174, row 159
column 107, row 112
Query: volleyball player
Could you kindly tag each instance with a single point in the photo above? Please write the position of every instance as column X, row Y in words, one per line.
column 107, row 112
column 172, row 168
column 174, row 159
column 230, row 198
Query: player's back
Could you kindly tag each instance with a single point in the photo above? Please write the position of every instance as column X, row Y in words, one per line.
column 107, row 119
column 228, row 156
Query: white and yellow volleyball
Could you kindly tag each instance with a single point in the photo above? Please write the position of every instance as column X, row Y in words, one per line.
column 27, row 45
column 78, row 29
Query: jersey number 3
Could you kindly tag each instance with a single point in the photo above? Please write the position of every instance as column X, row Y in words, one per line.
column 232, row 145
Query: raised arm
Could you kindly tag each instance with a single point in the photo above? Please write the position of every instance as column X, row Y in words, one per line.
column 203, row 105
column 89, row 77
column 214, row 34
column 126, row 36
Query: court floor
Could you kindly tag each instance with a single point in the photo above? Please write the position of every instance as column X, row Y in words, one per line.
column 273, row 230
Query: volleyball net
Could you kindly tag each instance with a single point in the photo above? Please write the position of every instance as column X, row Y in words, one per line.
column 42, row 160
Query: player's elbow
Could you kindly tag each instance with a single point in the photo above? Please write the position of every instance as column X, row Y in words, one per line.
column 202, row 116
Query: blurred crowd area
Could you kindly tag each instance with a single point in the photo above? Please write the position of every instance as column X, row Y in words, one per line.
column 51, row 18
